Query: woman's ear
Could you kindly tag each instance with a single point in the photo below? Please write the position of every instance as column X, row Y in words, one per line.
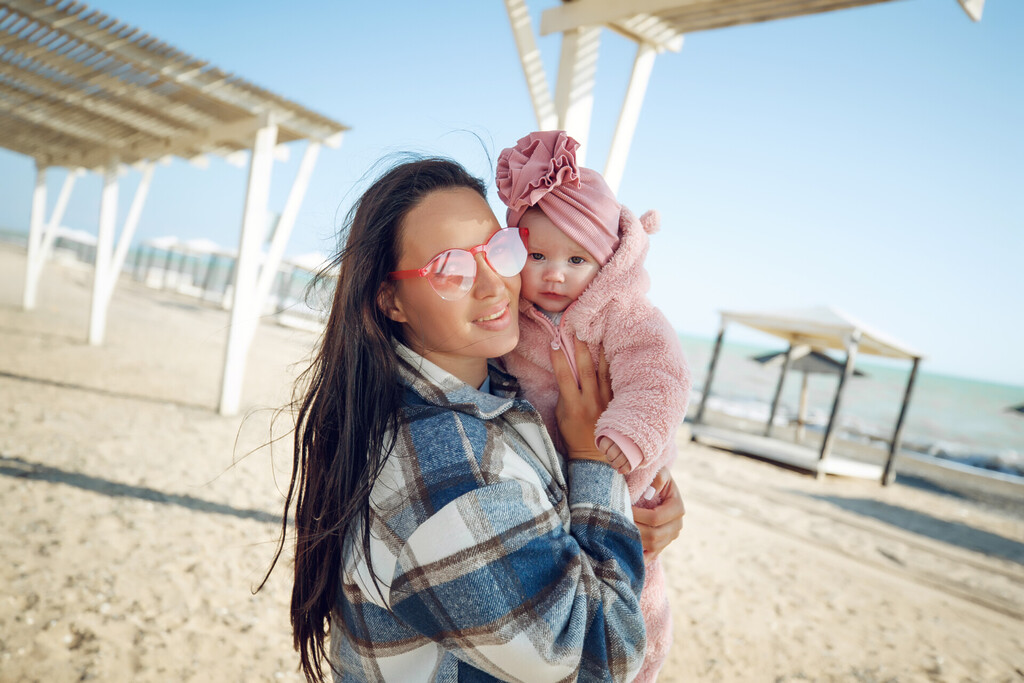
column 389, row 304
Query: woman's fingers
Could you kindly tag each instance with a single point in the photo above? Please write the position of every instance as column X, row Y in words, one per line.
column 563, row 373
column 670, row 509
column 585, row 368
column 661, row 525
column 661, row 480
column 604, row 379
column 578, row 405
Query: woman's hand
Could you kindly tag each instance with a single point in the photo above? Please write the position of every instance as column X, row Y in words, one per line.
column 579, row 406
column 661, row 525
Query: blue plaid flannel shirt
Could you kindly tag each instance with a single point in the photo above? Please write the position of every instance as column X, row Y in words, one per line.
column 495, row 560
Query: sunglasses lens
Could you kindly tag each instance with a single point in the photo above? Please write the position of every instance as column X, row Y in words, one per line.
column 451, row 274
column 506, row 252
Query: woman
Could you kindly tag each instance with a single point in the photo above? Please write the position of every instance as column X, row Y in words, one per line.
column 436, row 527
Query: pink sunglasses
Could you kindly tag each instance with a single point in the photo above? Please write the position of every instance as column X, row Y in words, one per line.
column 453, row 272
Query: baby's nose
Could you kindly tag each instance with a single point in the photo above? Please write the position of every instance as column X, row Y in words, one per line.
column 554, row 275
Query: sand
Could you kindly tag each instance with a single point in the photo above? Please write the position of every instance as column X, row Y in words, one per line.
column 134, row 525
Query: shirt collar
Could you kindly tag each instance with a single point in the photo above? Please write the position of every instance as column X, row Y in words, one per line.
column 441, row 388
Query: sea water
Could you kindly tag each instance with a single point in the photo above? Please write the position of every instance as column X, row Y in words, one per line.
column 969, row 421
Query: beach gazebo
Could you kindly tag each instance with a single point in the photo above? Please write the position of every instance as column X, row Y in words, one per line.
column 82, row 91
column 820, row 328
column 656, row 26
column 807, row 361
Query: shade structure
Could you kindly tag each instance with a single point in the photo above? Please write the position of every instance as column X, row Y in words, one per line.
column 642, row 19
column 821, row 327
column 83, row 91
column 810, row 362
column 656, row 26
column 79, row 89
column 807, row 361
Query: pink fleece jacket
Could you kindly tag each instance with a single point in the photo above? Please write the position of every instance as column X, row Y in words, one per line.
column 650, row 383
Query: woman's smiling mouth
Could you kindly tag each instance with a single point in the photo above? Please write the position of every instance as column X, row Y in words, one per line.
column 493, row 316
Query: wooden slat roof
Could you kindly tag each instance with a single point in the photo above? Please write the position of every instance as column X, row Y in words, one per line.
column 80, row 88
column 664, row 22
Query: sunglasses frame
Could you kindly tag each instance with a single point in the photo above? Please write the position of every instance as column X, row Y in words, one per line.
column 524, row 234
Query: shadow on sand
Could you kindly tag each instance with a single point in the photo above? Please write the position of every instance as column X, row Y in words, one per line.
column 107, row 392
column 79, row 340
column 953, row 533
column 23, row 469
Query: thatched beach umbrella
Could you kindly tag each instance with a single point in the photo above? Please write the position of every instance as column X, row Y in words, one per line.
column 807, row 361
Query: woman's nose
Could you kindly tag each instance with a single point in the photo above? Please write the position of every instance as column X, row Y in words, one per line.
column 488, row 283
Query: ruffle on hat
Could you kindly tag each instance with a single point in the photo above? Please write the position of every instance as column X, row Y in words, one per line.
column 541, row 171
column 538, row 163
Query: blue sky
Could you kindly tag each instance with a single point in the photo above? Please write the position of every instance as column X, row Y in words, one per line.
column 869, row 159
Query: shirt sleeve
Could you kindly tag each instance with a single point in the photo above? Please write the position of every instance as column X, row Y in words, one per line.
column 495, row 578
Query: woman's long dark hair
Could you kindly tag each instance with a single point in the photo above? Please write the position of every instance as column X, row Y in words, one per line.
column 349, row 400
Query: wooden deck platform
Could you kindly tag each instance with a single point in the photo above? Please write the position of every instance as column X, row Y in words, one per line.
column 784, row 452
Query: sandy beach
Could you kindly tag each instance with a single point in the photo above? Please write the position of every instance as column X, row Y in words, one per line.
column 136, row 522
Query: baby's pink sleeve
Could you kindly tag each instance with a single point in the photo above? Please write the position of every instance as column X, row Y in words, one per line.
column 650, row 383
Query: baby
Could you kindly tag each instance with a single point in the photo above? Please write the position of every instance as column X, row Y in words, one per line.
column 584, row 278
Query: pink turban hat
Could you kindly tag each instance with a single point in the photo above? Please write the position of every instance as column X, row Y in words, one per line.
column 541, row 171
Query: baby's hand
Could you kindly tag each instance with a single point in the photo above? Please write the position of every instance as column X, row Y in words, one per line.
column 613, row 455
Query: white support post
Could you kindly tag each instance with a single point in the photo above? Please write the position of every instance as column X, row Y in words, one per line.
column 574, row 96
column 243, row 314
column 58, row 215
column 284, row 226
column 974, row 8
column 131, row 222
column 630, row 115
column 533, row 67
column 35, row 238
column 104, row 254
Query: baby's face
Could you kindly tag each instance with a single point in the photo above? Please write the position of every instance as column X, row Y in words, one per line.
column 557, row 268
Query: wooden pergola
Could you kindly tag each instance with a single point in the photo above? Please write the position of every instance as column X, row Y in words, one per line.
column 811, row 328
column 656, row 26
column 83, row 91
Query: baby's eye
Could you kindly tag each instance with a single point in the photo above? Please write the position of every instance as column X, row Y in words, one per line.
column 577, row 260
column 535, row 256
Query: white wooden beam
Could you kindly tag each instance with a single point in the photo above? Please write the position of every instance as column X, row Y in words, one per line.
column 334, row 141
column 57, row 216
column 284, row 226
column 533, row 66
column 244, row 317
column 104, row 254
column 974, row 8
column 574, row 97
column 572, row 15
column 37, row 261
column 128, row 231
column 192, row 147
column 629, row 116
column 35, row 238
column 647, row 28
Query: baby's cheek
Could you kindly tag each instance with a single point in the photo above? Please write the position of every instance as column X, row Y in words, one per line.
column 588, row 277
